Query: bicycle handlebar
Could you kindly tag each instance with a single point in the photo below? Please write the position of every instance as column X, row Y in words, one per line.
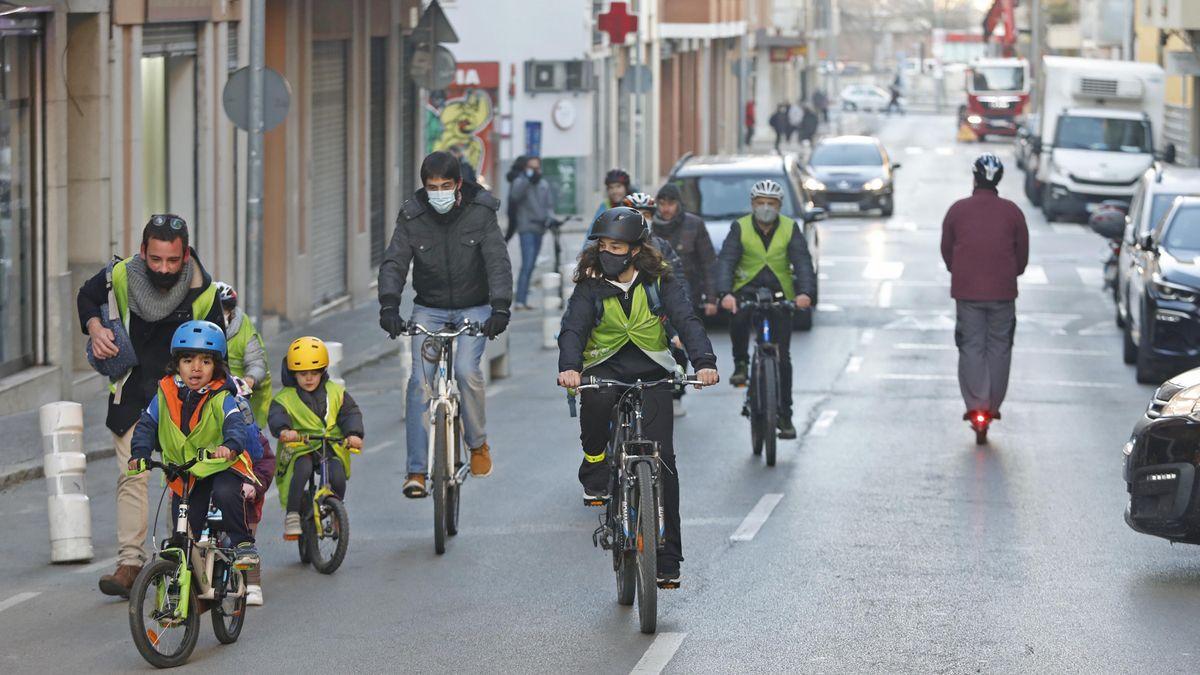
column 472, row 328
column 599, row 383
column 309, row 438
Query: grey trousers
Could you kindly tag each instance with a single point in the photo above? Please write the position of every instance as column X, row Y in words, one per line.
column 984, row 336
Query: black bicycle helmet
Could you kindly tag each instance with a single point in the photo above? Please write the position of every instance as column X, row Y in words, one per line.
column 617, row 176
column 988, row 170
column 621, row 223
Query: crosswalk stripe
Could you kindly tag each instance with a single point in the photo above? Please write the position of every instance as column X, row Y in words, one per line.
column 1092, row 276
column 1036, row 275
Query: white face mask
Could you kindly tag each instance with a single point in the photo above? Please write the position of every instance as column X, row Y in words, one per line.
column 766, row 214
column 441, row 200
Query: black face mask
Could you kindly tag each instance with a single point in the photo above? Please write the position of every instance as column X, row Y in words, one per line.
column 163, row 280
column 612, row 264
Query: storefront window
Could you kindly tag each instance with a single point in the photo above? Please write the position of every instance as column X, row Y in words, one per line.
column 18, row 59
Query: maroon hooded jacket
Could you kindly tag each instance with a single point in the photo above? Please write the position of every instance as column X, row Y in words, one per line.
column 985, row 245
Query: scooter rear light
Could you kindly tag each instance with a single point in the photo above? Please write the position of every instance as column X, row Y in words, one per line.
column 980, row 417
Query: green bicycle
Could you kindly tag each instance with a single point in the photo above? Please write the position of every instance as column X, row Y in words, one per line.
column 324, row 522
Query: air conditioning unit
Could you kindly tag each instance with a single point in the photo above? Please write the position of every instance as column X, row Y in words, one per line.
column 557, row 76
column 1172, row 14
column 1107, row 88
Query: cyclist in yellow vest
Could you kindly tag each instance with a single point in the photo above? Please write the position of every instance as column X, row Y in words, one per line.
column 247, row 353
column 310, row 404
column 195, row 411
column 613, row 329
column 765, row 249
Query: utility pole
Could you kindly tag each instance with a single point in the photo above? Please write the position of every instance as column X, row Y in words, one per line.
column 254, row 177
column 835, row 26
column 1035, row 37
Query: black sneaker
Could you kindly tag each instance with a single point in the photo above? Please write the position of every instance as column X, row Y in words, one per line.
column 787, row 430
column 741, row 374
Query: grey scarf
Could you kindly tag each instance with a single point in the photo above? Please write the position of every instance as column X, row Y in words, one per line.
column 147, row 300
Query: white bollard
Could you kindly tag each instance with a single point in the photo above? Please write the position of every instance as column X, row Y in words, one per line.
column 404, row 353
column 551, row 309
column 65, row 466
column 335, row 362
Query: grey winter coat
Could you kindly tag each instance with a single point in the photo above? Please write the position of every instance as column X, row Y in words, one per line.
column 458, row 259
column 535, row 204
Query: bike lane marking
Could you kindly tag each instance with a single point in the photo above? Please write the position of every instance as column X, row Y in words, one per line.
column 758, row 515
column 854, row 364
column 885, row 294
column 658, row 654
column 97, row 566
column 18, row 599
column 824, row 421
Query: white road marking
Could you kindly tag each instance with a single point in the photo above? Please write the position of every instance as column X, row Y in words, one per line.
column 929, row 377
column 943, row 347
column 757, row 516
column 885, row 294
column 1102, row 328
column 854, row 364
column 901, row 226
column 824, row 421
column 97, row 566
column 658, row 654
column 945, row 150
column 1091, row 276
column 914, row 150
column 883, row 269
column 376, row 448
column 1035, row 274
column 867, row 337
column 826, row 307
column 18, row 599
column 844, row 258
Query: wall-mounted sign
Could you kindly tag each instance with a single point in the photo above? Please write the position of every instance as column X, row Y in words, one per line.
column 563, row 114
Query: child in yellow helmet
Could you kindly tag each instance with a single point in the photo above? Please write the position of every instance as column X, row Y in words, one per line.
column 310, row 404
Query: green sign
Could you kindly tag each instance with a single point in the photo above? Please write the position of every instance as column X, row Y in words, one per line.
column 563, row 176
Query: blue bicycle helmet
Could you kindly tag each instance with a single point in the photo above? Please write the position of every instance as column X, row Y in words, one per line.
column 199, row 336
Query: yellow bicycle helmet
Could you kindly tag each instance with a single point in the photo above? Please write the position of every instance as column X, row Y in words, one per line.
column 307, row 353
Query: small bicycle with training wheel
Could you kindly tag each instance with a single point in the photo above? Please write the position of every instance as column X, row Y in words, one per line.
column 186, row 578
column 632, row 523
column 762, row 391
column 324, row 521
column 447, row 454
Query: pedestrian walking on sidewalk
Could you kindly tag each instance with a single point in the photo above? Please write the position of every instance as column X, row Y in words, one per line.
column 129, row 310
column 985, row 245
column 749, row 120
column 795, row 116
column 534, row 198
column 448, row 234
column 779, row 122
column 821, row 101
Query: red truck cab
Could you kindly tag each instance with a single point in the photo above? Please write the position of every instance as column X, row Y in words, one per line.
column 997, row 93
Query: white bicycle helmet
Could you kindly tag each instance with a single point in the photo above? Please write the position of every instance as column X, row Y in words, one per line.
column 988, row 169
column 226, row 294
column 640, row 201
column 767, row 188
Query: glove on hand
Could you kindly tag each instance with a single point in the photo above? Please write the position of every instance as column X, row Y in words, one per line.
column 390, row 321
column 496, row 323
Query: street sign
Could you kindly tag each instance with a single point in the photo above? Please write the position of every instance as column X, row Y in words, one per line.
column 533, row 138
column 617, row 22
column 434, row 26
column 433, row 71
column 277, row 97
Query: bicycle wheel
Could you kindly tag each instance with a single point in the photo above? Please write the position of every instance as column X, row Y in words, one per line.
column 769, row 410
column 305, row 530
column 454, row 489
column 329, row 549
column 754, row 404
column 624, row 558
column 646, row 549
column 162, row 638
column 441, row 475
column 229, row 615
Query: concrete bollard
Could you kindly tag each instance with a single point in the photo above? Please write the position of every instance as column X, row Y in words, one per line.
column 404, row 354
column 65, row 466
column 335, row 362
column 551, row 309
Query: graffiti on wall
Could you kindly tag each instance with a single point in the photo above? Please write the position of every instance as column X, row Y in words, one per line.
column 464, row 121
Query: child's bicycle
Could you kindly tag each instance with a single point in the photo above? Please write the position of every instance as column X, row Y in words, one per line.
column 324, row 522
column 185, row 579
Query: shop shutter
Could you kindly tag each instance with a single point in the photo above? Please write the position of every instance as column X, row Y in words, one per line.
column 327, row 228
column 378, row 148
column 163, row 39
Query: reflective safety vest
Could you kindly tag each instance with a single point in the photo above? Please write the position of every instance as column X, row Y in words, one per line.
column 616, row 329
column 260, row 399
column 755, row 256
column 206, row 430
column 201, row 306
column 306, row 422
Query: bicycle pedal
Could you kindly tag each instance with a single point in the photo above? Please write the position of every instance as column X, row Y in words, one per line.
column 668, row 585
column 291, row 537
column 598, row 501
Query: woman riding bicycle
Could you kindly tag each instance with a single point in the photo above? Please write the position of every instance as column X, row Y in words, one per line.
column 613, row 328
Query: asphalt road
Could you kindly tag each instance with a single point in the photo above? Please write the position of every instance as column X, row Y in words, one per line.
column 895, row 544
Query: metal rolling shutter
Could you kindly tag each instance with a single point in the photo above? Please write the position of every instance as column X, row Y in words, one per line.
column 1177, row 129
column 327, row 236
column 163, row 39
column 378, row 148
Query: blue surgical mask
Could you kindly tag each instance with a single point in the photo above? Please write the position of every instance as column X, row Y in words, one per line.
column 441, row 200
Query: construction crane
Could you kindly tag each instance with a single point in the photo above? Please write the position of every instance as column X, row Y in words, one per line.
column 1001, row 16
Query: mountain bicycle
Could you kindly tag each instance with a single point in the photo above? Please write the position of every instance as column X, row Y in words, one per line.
column 762, row 391
column 186, row 578
column 632, row 523
column 324, row 521
column 447, row 451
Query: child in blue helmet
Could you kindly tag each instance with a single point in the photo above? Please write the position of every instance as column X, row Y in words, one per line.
column 197, row 408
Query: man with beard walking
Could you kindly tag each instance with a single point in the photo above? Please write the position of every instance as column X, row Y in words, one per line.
column 155, row 292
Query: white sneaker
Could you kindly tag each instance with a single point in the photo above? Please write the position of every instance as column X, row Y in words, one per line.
column 254, row 595
column 680, row 411
column 291, row 525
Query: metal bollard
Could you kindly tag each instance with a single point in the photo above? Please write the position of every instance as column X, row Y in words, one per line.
column 335, row 362
column 65, row 466
column 404, row 353
column 551, row 309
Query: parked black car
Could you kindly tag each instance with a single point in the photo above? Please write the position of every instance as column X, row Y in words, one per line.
column 1163, row 326
column 849, row 174
column 1160, row 463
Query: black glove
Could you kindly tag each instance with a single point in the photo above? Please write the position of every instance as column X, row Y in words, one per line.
column 390, row 321
column 496, row 323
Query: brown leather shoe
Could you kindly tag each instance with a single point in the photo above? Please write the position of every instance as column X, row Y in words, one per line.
column 118, row 583
column 414, row 487
column 481, row 461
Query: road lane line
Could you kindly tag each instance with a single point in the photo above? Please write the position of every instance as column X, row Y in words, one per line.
column 824, row 421
column 1091, row 276
column 826, row 307
column 18, row 599
column 867, row 337
column 757, row 517
column 885, row 294
column 883, row 269
column 1035, row 274
column 658, row 654
column 914, row 150
column 945, row 151
column 97, row 566
column 854, row 364
column 376, row 448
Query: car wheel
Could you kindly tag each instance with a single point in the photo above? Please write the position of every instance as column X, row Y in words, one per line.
column 1032, row 191
column 888, row 208
column 1145, row 369
column 1048, row 205
column 1128, row 348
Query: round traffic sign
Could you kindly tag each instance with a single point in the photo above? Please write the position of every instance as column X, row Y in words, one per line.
column 277, row 97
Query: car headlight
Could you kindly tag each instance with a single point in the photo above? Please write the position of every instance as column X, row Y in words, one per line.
column 873, row 184
column 811, row 183
column 974, row 119
column 1183, row 403
column 1169, row 291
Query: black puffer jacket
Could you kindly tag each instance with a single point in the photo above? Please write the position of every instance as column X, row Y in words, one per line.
column 459, row 259
column 689, row 237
